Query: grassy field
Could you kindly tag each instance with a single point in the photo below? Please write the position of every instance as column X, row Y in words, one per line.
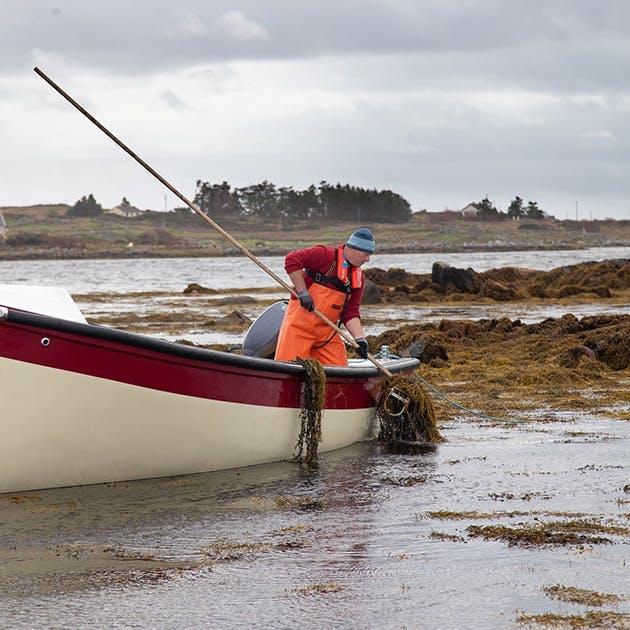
column 45, row 231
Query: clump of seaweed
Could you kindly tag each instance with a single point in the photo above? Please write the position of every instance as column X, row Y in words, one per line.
column 450, row 537
column 229, row 550
column 318, row 589
column 406, row 412
column 20, row 498
column 406, row 481
column 578, row 532
column 311, row 413
column 582, row 596
column 300, row 503
column 460, row 516
column 592, row 619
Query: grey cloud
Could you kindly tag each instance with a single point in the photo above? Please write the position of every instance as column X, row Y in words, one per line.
column 173, row 100
column 144, row 35
column 438, row 99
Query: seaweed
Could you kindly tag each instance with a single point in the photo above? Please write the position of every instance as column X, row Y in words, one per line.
column 311, row 413
column 406, row 412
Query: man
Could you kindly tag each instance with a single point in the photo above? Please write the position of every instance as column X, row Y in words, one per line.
column 329, row 279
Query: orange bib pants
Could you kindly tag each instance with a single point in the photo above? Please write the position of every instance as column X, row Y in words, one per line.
column 305, row 335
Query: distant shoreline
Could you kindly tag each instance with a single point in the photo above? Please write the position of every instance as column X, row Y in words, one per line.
column 41, row 233
column 148, row 253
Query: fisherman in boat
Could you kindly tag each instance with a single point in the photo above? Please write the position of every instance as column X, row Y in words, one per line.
column 329, row 279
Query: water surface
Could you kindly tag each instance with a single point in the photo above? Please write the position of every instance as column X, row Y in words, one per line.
column 359, row 543
column 160, row 274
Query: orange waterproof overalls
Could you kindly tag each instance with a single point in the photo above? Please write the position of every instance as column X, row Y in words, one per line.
column 306, row 335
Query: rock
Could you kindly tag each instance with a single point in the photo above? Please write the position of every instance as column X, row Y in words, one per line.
column 465, row 280
column 504, row 324
column 497, row 291
column 413, row 349
column 458, row 328
column 601, row 291
column 398, row 276
column 389, row 277
column 538, row 290
column 613, row 348
column 372, row 293
column 569, row 323
column 568, row 290
column 197, row 288
column 236, row 318
column 426, row 349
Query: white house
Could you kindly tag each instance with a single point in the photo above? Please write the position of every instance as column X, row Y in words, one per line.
column 470, row 211
column 125, row 209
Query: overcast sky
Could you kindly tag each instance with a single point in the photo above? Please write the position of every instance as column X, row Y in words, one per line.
column 442, row 101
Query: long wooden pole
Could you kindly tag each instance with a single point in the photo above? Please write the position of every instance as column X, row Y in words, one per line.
column 203, row 215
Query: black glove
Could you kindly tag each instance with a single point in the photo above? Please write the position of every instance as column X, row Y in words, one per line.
column 362, row 347
column 306, row 300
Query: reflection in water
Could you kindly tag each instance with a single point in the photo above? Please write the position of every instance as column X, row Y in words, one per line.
column 371, row 539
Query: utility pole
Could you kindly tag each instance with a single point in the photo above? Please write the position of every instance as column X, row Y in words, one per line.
column 576, row 210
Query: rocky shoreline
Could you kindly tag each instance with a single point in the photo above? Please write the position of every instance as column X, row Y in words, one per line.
column 151, row 252
column 596, row 279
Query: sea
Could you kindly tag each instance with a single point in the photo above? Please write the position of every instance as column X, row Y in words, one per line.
column 371, row 538
column 173, row 274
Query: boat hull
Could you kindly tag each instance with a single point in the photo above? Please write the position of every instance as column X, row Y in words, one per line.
column 84, row 404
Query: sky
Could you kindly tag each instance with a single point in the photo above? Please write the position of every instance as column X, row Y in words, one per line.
column 442, row 101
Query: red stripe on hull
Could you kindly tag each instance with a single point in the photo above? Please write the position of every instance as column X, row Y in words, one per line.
column 144, row 367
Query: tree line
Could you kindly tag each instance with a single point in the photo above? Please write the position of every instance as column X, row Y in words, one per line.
column 339, row 202
column 516, row 210
column 343, row 203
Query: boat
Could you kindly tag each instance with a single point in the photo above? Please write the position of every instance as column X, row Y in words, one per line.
column 85, row 404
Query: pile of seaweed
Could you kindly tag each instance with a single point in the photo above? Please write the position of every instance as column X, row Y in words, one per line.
column 406, row 412
column 590, row 279
column 501, row 366
column 564, row 341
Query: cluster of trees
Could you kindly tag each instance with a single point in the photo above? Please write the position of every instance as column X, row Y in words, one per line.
column 345, row 203
column 516, row 210
column 85, row 207
column 89, row 207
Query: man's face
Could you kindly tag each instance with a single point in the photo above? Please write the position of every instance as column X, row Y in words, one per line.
column 356, row 257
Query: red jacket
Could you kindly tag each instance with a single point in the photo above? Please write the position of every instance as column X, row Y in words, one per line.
column 319, row 259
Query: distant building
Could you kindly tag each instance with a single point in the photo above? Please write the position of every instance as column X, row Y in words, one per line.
column 3, row 227
column 470, row 211
column 125, row 209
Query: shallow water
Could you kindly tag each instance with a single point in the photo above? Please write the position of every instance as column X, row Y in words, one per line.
column 351, row 545
column 84, row 278
column 159, row 274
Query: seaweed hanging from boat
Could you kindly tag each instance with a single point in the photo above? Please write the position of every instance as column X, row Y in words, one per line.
column 406, row 412
column 311, row 414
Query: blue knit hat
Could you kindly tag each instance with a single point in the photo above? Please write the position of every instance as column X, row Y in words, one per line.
column 362, row 240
